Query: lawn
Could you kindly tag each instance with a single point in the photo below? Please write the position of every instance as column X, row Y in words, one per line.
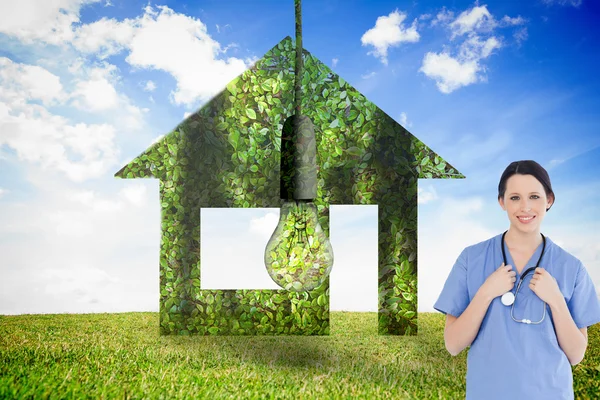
column 123, row 356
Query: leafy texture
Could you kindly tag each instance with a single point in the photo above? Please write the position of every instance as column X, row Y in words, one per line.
column 299, row 255
column 227, row 156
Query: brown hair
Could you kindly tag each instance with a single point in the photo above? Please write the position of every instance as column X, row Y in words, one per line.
column 526, row 167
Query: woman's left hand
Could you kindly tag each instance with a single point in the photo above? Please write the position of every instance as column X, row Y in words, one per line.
column 545, row 286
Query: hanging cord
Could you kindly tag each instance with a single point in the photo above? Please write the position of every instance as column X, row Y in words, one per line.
column 299, row 66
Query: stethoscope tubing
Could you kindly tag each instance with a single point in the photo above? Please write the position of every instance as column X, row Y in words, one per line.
column 527, row 271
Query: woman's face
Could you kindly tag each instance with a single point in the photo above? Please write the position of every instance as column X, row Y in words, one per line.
column 525, row 202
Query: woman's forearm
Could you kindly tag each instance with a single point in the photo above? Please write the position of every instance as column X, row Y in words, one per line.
column 570, row 339
column 462, row 331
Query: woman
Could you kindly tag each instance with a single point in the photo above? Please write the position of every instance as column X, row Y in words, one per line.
column 522, row 349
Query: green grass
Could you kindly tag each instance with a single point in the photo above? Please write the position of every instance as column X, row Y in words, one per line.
column 123, row 356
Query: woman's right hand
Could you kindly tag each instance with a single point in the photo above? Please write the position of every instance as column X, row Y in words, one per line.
column 500, row 281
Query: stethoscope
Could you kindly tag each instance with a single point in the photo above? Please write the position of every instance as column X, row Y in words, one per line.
column 508, row 298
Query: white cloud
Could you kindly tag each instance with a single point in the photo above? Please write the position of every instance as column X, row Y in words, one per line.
column 439, row 244
column 219, row 27
column 186, row 114
column 84, row 281
column 94, row 91
column 443, row 17
column 85, row 197
column 506, row 20
column 426, row 195
column 404, row 120
column 80, row 151
column 264, row 225
column 47, row 21
column 21, row 82
column 334, row 62
column 573, row 3
column 475, row 49
column 135, row 194
column 369, row 75
column 477, row 18
column 150, row 86
column 553, row 163
column 448, row 72
column 132, row 118
column 159, row 39
column 80, row 249
column 104, row 37
column 192, row 62
column 464, row 66
column 389, row 32
column 354, row 276
column 47, row 140
column 3, row 192
column 520, row 36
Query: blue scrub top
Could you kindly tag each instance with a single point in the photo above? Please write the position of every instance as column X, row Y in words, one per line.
column 508, row 359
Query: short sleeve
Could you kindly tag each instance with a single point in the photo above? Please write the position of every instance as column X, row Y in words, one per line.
column 584, row 304
column 454, row 298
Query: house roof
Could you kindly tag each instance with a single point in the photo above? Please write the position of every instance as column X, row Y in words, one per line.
column 266, row 90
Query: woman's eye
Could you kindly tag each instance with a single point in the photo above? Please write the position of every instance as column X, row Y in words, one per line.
column 515, row 198
column 535, row 196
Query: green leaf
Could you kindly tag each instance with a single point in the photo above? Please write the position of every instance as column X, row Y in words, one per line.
column 353, row 151
column 392, row 300
column 267, row 85
column 250, row 113
column 334, row 124
column 321, row 300
column 232, row 87
column 360, row 120
column 234, row 137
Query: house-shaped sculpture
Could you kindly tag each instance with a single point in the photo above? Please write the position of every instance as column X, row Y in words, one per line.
column 227, row 154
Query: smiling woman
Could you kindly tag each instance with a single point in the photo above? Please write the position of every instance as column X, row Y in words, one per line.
column 530, row 338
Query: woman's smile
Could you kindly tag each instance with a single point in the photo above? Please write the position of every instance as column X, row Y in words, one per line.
column 526, row 219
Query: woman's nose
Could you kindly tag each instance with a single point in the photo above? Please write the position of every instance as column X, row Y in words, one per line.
column 525, row 205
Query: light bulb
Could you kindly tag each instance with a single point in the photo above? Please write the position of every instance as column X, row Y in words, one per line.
column 299, row 255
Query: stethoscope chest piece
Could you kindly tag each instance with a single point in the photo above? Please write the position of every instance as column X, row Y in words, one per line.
column 508, row 298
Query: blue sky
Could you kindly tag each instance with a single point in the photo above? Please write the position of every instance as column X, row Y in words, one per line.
column 88, row 85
